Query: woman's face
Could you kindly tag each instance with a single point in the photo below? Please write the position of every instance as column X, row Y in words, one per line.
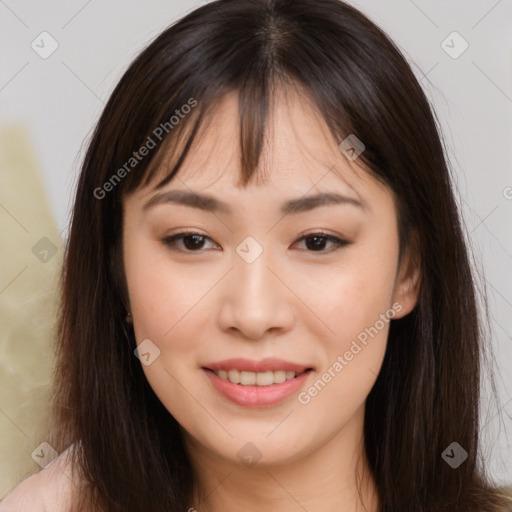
column 249, row 287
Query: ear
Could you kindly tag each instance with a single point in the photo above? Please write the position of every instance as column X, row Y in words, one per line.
column 408, row 279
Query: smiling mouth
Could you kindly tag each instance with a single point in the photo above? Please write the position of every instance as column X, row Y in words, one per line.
column 268, row 378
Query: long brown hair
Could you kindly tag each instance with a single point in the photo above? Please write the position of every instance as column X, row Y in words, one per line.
column 126, row 445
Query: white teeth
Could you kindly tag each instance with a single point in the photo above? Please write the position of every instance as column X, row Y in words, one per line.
column 247, row 378
column 264, row 378
column 280, row 376
column 233, row 376
column 256, row 378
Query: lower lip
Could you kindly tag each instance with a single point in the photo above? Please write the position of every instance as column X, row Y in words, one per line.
column 257, row 396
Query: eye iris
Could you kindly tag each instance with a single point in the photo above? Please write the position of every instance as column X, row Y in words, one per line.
column 194, row 245
column 319, row 243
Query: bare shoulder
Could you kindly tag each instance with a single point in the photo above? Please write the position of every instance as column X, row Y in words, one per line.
column 50, row 489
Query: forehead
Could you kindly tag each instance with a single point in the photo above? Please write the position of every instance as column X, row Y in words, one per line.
column 299, row 151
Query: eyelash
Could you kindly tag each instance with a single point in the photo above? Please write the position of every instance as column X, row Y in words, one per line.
column 170, row 240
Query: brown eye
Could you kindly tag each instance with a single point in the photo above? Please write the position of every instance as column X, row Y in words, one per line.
column 193, row 242
column 315, row 242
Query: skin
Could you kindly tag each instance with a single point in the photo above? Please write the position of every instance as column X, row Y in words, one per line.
column 297, row 301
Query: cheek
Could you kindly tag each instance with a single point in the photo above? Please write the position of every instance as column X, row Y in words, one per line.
column 347, row 299
column 357, row 311
column 165, row 301
column 353, row 303
column 162, row 293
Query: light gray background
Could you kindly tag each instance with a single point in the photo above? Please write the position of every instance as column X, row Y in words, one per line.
column 60, row 98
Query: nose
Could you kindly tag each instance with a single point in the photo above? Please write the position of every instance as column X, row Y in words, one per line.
column 255, row 300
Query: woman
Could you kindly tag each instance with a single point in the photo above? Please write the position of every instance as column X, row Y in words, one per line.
column 267, row 299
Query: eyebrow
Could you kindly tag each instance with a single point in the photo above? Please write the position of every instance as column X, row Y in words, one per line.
column 211, row 204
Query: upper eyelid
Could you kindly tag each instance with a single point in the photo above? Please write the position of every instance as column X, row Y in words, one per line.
column 319, row 232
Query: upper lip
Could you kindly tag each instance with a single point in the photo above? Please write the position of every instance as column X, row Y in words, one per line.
column 264, row 365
